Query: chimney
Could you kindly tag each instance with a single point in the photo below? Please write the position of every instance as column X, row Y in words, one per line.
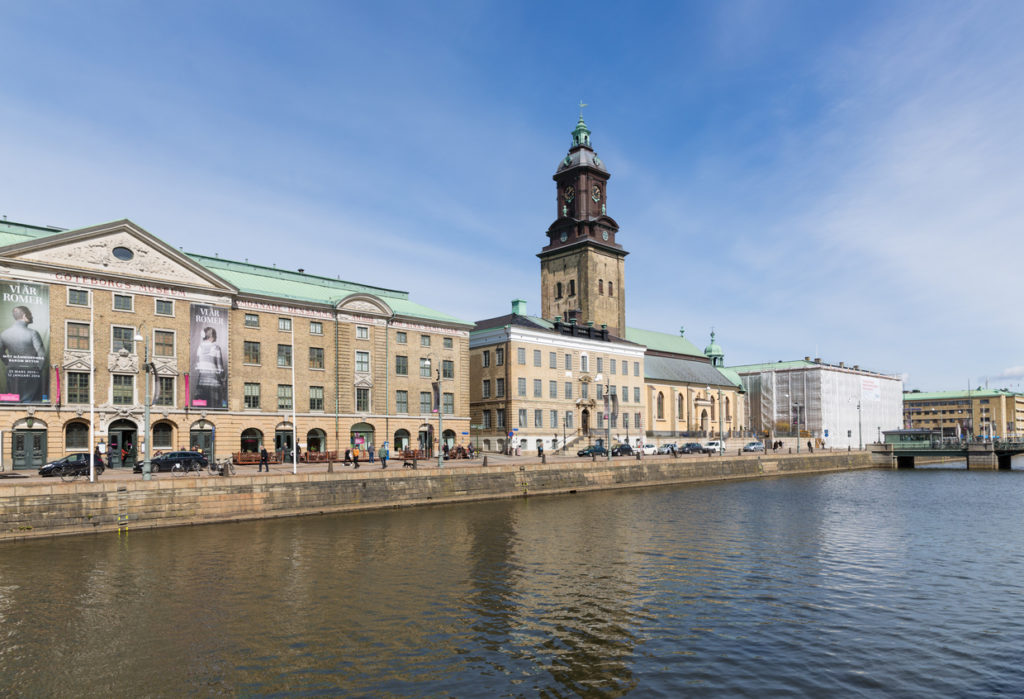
column 807, row 358
column 817, row 360
column 518, row 307
column 558, row 319
column 856, row 367
column 842, row 365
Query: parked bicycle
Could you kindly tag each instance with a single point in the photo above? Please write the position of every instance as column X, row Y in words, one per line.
column 72, row 472
column 223, row 467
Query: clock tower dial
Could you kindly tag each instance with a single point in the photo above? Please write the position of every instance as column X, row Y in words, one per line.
column 583, row 252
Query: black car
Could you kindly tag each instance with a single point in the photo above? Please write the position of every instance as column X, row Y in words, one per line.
column 691, row 448
column 622, row 450
column 593, row 450
column 77, row 462
column 191, row 460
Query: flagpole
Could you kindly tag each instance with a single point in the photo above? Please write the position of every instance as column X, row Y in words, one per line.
column 295, row 395
column 92, row 387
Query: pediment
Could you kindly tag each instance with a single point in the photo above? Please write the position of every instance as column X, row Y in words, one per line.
column 364, row 303
column 92, row 251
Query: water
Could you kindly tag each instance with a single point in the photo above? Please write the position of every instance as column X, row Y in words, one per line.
column 877, row 583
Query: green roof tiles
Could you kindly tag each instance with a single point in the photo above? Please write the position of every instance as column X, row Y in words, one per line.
column 950, row 395
column 663, row 342
column 732, row 376
column 12, row 233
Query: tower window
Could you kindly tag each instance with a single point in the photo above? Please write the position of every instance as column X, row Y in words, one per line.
column 558, row 290
column 610, row 289
column 572, row 287
column 600, row 286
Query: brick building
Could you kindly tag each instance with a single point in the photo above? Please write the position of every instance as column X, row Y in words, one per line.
column 238, row 355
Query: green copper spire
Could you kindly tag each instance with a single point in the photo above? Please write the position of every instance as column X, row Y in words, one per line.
column 581, row 134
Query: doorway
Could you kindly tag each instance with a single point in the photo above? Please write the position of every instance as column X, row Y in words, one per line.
column 122, row 444
column 28, row 448
column 585, row 423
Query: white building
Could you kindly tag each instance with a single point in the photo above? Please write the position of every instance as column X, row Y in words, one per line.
column 843, row 406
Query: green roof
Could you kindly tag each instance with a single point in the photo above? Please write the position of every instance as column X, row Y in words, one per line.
column 663, row 342
column 12, row 233
column 950, row 395
column 775, row 366
column 731, row 375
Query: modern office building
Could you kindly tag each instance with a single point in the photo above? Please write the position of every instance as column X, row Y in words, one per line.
column 980, row 412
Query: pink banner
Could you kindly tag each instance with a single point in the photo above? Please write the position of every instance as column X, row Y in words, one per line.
column 188, row 393
column 56, row 371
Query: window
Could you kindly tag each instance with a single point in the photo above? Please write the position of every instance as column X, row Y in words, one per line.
column 568, row 362
column 163, row 343
column 486, row 359
column 500, row 416
column 521, row 355
column 284, row 324
column 284, row 355
column 123, row 303
column 558, row 290
column 600, row 420
column 78, row 297
column 316, row 357
column 521, row 387
column 284, row 396
column 536, row 357
column 487, row 419
column 401, row 401
column 552, row 389
column 600, row 364
column 362, row 400
column 250, row 352
column 636, row 368
column 78, row 387
column 572, row 287
column 600, row 286
column 538, row 418
column 316, row 398
column 611, row 366
column 363, row 362
column 164, row 307
column 448, row 369
column 610, row 289
column 600, row 391
column 77, row 436
column 584, row 363
column 316, row 327
column 612, row 390
column 252, row 320
column 568, row 419
column 164, row 391
column 636, row 395
column 123, row 392
column 425, row 402
column 252, row 396
column 401, row 338
column 485, row 389
column 614, row 420
column 568, row 389
column 537, row 388
column 424, row 340
column 553, row 360
column 584, row 390
column 499, row 356
column 124, row 338
column 499, row 388
column 661, row 406
column 401, row 365
column 425, row 367
column 636, row 420
column 554, row 418
column 78, row 336
column 625, row 394
column 522, row 418
column 448, row 403
column 362, row 332
column 163, row 436
column 448, row 343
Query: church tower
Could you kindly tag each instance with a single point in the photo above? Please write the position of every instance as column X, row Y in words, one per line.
column 582, row 267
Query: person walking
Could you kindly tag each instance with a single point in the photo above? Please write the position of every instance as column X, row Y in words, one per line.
column 810, row 449
column 355, row 456
column 369, row 451
column 348, row 457
column 97, row 458
column 264, row 460
column 383, row 454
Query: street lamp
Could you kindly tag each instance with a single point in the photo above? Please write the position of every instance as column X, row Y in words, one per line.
column 797, row 406
column 860, row 434
column 147, row 368
column 721, row 439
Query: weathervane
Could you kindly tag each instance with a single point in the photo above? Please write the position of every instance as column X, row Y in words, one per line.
column 582, row 105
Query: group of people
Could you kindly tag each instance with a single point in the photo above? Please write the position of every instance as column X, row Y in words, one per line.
column 457, row 452
column 352, row 455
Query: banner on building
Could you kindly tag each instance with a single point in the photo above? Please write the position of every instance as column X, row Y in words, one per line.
column 870, row 389
column 24, row 343
column 208, row 364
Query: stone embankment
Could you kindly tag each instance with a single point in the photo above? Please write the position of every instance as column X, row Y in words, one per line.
column 56, row 508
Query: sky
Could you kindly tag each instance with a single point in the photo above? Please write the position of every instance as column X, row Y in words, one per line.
column 842, row 180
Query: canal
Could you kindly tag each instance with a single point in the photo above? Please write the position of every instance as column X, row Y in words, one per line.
column 895, row 583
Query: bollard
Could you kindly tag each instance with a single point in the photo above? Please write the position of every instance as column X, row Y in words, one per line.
column 330, row 466
column 638, row 455
column 849, row 448
column 593, row 457
column 543, row 458
column 791, row 450
column 485, row 460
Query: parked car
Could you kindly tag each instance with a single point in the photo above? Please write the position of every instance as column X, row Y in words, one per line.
column 669, row 448
column 714, row 446
column 164, row 462
column 649, row 449
column 691, row 448
column 753, row 446
column 593, row 450
column 622, row 450
column 76, row 461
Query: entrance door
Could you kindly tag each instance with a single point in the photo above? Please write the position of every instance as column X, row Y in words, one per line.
column 283, row 443
column 202, row 439
column 28, row 448
column 585, row 423
column 122, row 437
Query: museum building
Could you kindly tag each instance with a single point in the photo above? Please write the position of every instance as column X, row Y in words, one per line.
column 232, row 356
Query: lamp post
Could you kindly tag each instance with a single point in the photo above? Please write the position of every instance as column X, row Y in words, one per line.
column 797, row 406
column 440, row 422
column 721, row 438
column 860, row 433
column 147, row 473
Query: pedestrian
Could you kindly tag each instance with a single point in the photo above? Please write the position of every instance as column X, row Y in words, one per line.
column 264, row 460
column 369, row 452
column 540, row 450
column 348, row 456
column 298, row 452
column 97, row 458
column 810, row 449
column 355, row 456
column 383, row 454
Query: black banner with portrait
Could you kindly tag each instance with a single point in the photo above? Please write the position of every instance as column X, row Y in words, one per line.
column 25, row 342
column 209, row 357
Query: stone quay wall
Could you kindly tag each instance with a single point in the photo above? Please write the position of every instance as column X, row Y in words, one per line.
column 52, row 509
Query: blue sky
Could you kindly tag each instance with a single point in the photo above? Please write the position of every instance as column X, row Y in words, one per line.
column 841, row 180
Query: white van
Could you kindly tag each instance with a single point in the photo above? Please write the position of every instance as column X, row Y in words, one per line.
column 714, row 446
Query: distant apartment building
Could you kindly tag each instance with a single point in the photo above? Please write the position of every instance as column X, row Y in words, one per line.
column 971, row 413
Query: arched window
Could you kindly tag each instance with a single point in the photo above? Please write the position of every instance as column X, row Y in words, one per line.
column 679, row 408
column 600, row 286
column 572, row 287
column 712, row 407
column 610, row 289
column 661, row 405
column 558, row 290
column 76, row 436
column 163, row 436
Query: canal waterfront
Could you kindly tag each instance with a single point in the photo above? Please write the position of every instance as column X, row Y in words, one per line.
column 868, row 583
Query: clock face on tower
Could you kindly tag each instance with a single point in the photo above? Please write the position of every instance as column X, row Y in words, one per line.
column 564, row 237
column 570, row 193
column 595, row 194
column 604, row 234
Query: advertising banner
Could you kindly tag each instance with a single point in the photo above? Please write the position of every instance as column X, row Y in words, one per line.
column 24, row 342
column 870, row 389
column 208, row 366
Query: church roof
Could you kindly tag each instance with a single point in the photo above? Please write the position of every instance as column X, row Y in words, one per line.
column 684, row 370
column 663, row 342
